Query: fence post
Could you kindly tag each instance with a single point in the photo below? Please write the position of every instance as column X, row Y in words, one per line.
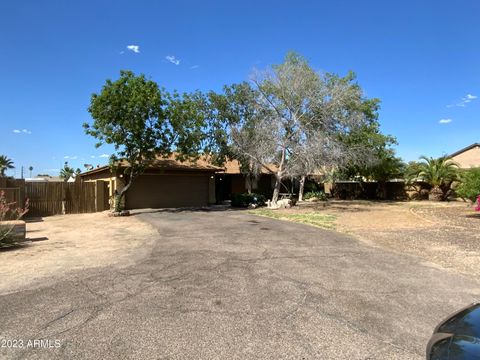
column 64, row 197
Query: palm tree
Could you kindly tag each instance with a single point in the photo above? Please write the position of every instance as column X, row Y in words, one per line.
column 66, row 172
column 5, row 164
column 439, row 174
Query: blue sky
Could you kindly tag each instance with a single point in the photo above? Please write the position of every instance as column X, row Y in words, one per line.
column 421, row 58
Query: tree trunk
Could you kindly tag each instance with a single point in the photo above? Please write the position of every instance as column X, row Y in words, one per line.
column 118, row 199
column 301, row 188
column 276, row 189
column 248, row 183
column 436, row 194
column 278, row 179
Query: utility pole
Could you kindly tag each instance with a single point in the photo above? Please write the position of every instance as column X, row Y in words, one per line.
column 21, row 174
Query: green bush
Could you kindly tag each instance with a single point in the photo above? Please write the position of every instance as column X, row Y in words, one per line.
column 469, row 187
column 245, row 199
column 320, row 195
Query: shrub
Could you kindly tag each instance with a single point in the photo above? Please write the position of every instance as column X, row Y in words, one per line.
column 469, row 187
column 8, row 211
column 320, row 195
column 245, row 200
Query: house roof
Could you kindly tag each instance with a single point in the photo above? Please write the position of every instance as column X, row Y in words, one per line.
column 169, row 163
column 233, row 167
column 201, row 164
column 45, row 179
column 473, row 146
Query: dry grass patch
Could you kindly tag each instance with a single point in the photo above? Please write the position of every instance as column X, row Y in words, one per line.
column 321, row 220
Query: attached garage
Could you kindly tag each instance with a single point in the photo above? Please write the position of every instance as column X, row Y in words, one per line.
column 167, row 183
column 167, row 191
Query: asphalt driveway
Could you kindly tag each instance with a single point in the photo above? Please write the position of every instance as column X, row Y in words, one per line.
column 228, row 285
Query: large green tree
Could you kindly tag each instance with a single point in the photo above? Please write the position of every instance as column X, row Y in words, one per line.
column 378, row 161
column 143, row 121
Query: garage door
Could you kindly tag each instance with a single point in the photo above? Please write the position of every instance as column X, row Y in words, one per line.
column 159, row 191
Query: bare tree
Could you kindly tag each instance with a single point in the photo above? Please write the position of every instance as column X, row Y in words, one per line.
column 296, row 115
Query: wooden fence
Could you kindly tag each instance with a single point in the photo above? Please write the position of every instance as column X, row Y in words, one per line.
column 52, row 198
column 12, row 195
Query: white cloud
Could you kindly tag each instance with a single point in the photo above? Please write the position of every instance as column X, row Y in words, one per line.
column 172, row 59
column 464, row 100
column 104, row 156
column 23, row 131
column 93, row 156
column 194, row 67
column 134, row 48
column 445, row 121
column 71, row 157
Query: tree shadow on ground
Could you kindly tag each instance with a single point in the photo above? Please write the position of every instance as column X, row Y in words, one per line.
column 136, row 212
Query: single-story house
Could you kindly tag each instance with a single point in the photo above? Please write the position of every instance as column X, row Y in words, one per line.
column 166, row 183
column 467, row 157
column 172, row 183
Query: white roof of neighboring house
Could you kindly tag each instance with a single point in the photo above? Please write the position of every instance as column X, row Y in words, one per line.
column 44, row 179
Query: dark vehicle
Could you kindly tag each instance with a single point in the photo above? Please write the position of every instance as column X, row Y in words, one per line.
column 457, row 337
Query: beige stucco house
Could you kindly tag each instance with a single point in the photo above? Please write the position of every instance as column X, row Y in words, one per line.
column 467, row 157
column 166, row 183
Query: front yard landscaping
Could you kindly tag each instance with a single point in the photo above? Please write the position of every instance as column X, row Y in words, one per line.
column 443, row 234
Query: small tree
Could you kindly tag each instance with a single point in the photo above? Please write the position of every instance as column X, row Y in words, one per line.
column 142, row 122
column 469, row 187
column 5, row 164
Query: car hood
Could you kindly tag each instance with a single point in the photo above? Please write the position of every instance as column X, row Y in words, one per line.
column 458, row 336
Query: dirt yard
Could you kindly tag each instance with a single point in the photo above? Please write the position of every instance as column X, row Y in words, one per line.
column 67, row 243
column 443, row 234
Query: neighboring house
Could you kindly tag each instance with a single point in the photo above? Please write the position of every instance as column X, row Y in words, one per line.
column 467, row 157
column 45, row 178
column 166, row 183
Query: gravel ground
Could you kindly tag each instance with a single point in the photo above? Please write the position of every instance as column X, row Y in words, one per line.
column 442, row 234
column 66, row 243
